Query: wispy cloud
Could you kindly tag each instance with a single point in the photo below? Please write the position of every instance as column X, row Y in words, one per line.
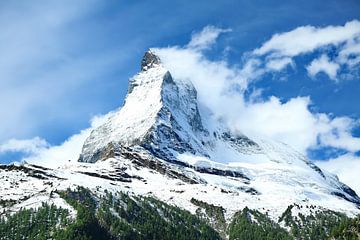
column 282, row 48
column 350, row 53
column 323, row 64
column 306, row 39
column 38, row 151
column 207, row 37
column 29, row 146
column 279, row 64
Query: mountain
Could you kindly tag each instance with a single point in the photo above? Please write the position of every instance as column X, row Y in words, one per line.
column 163, row 157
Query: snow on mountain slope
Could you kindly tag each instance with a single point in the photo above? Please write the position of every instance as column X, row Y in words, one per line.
column 168, row 182
column 159, row 144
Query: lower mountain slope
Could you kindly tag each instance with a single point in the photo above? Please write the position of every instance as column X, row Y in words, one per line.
column 121, row 215
column 107, row 200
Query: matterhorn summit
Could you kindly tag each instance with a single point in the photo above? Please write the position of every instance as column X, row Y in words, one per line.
column 159, row 115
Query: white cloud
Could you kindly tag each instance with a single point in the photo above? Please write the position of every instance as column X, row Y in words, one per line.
column 293, row 123
column 29, row 146
column 290, row 122
column 279, row 64
column 282, row 48
column 346, row 167
column 340, row 134
column 69, row 150
column 350, row 53
column 206, row 38
column 38, row 151
column 323, row 64
column 306, row 39
column 55, row 156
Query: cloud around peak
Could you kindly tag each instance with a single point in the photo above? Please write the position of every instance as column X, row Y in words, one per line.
column 222, row 88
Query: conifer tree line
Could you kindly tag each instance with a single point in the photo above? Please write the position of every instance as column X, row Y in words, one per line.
column 121, row 216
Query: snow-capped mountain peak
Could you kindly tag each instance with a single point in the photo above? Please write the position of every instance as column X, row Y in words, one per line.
column 159, row 144
column 156, row 109
column 160, row 119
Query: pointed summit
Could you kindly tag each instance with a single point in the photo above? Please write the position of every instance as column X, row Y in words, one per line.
column 149, row 60
column 159, row 114
column 151, row 70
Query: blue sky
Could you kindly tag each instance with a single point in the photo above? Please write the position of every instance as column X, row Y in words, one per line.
column 64, row 62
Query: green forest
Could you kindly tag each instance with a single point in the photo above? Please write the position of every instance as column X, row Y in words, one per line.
column 122, row 216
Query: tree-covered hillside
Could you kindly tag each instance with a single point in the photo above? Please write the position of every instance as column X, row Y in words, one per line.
column 121, row 216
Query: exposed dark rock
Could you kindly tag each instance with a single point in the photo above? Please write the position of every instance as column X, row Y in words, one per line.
column 316, row 168
column 220, row 172
column 239, row 141
column 100, row 154
column 250, row 190
column 149, row 60
column 354, row 199
column 120, row 177
column 32, row 172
